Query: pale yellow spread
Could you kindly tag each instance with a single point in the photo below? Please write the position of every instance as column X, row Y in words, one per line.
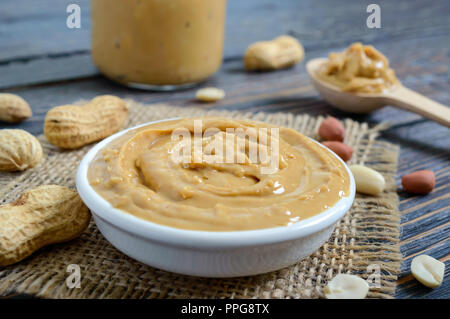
column 158, row 42
column 137, row 174
column 361, row 69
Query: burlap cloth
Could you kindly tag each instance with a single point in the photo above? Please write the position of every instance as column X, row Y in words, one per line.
column 367, row 235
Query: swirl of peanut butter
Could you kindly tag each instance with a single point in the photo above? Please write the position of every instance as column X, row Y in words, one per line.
column 223, row 175
column 359, row 69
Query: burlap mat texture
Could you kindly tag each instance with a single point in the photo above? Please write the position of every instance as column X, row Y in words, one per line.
column 364, row 241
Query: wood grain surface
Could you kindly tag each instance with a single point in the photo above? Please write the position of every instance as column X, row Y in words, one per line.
column 48, row 64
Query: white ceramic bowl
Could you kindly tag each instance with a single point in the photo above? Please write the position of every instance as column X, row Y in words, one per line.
column 204, row 253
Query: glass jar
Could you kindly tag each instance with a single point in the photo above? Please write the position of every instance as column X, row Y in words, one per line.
column 158, row 44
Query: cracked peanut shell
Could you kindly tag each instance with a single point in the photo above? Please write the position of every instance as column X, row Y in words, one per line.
column 279, row 53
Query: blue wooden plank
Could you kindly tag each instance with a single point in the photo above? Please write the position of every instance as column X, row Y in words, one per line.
column 414, row 289
column 439, row 250
column 411, row 205
column 47, row 69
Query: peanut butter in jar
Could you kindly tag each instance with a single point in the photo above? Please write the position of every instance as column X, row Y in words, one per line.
column 158, row 44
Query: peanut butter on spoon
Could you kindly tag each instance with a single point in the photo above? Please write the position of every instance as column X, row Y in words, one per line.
column 359, row 69
column 359, row 80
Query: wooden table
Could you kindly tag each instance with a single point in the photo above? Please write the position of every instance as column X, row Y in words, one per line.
column 48, row 64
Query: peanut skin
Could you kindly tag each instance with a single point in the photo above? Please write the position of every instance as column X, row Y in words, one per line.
column 42, row 216
column 282, row 52
column 420, row 182
column 344, row 151
column 331, row 130
column 71, row 126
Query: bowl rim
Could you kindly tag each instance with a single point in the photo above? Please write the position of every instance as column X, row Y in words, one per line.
column 201, row 238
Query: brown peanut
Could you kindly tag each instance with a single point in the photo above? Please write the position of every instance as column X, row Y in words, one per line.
column 42, row 216
column 420, row 182
column 331, row 130
column 13, row 108
column 19, row 150
column 344, row 151
column 281, row 52
column 71, row 126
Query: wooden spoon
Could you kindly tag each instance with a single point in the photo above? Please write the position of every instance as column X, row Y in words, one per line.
column 399, row 96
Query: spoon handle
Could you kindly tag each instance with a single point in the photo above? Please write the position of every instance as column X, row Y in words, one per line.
column 409, row 100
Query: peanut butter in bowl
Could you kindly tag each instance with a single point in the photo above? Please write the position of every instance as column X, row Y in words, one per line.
column 359, row 69
column 218, row 174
